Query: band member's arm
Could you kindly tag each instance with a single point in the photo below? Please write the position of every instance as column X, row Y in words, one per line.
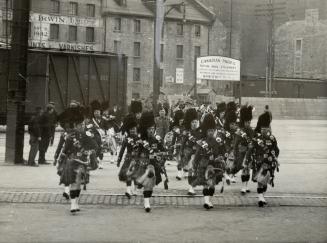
column 60, row 146
column 121, row 152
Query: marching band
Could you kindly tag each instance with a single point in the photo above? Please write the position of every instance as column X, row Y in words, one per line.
column 209, row 146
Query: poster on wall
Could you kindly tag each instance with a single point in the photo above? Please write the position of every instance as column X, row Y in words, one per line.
column 218, row 68
column 179, row 75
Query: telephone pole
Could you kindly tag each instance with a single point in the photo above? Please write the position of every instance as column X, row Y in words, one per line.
column 17, row 82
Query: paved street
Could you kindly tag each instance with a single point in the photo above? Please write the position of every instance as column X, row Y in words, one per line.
column 30, row 199
column 25, row 223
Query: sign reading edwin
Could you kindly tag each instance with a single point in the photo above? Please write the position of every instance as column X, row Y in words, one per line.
column 218, row 68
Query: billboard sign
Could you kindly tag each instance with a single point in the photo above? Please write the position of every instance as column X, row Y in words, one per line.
column 218, row 68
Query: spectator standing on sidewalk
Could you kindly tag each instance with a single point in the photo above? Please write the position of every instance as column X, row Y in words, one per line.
column 53, row 122
column 35, row 136
column 47, row 124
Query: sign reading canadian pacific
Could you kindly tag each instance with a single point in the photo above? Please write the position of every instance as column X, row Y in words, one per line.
column 218, row 68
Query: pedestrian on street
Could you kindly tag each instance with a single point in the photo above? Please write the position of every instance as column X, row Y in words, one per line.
column 47, row 123
column 35, row 136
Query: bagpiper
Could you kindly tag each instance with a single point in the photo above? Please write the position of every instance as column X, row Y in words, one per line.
column 220, row 115
column 135, row 110
column 263, row 157
column 75, row 156
column 177, row 131
column 151, row 159
column 243, row 139
column 228, row 135
column 191, row 135
column 131, row 142
column 209, row 161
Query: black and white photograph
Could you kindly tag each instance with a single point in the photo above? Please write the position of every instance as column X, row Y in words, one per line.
column 163, row 121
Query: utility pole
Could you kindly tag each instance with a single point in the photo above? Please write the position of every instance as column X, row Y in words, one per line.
column 159, row 15
column 271, row 11
column 17, row 82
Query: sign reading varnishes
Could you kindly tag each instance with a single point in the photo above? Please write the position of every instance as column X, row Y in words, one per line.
column 218, row 68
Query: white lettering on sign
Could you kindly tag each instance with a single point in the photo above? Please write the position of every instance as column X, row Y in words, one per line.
column 218, row 68
column 64, row 46
column 65, row 20
column 179, row 75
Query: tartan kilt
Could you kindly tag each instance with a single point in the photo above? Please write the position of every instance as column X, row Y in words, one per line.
column 238, row 162
column 122, row 175
column 74, row 172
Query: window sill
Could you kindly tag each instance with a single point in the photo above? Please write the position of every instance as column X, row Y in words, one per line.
column 90, row 43
column 117, row 31
column 179, row 59
column 137, row 57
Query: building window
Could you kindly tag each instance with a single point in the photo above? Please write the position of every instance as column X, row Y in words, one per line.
column 135, row 96
column 137, row 49
column 179, row 51
column 73, row 8
column 55, row 6
column 117, row 45
column 297, row 65
column 197, row 51
column 72, row 33
column 89, row 34
column 137, row 25
column 161, row 78
column 197, row 29
column 161, row 52
column 90, row 10
column 121, row 2
column 10, row 4
column 117, row 26
column 136, row 74
column 298, row 45
column 6, row 28
column 180, row 29
column 54, row 31
column 163, row 31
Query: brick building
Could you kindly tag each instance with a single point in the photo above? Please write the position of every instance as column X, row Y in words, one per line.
column 301, row 47
column 59, row 24
column 194, row 32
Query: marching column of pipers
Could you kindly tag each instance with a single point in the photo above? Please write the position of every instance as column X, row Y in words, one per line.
column 209, row 145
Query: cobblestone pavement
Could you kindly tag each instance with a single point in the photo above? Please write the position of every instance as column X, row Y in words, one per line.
column 163, row 200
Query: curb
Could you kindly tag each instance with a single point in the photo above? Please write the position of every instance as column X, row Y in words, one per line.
column 162, row 200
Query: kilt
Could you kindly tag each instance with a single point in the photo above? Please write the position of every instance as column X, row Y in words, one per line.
column 122, row 175
column 74, row 172
column 185, row 158
column 208, row 173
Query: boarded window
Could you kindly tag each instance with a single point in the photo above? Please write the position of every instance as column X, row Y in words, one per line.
column 137, row 25
column 72, row 33
column 117, row 26
column 180, row 29
column 136, row 74
column 54, row 31
column 137, row 49
column 55, row 6
column 90, row 34
column 90, row 10
column 73, row 8
column 179, row 51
